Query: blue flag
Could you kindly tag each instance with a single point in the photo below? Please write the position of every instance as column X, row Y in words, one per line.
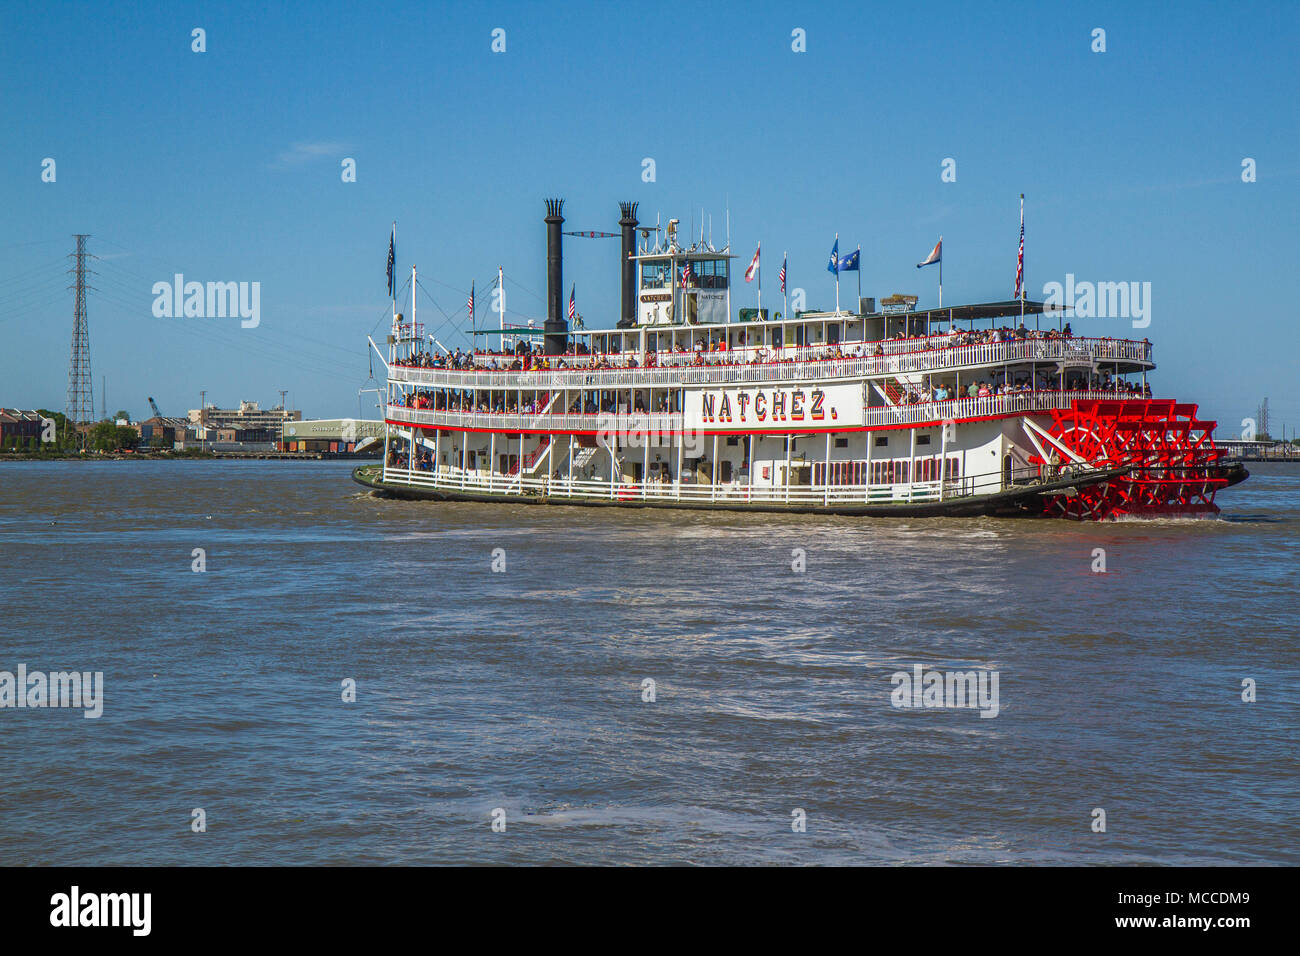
column 834, row 264
column 849, row 263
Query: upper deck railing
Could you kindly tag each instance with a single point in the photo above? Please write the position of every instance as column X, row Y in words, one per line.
column 881, row 416
column 805, row 363
column 515, row 423
column 961, row 409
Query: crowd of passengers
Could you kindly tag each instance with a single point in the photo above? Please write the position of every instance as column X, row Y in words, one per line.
column 526, row 358
column 1022, row 385
column 507, row 402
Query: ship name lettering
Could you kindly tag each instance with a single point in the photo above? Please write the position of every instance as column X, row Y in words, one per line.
column 816, row 412
column 796, row 404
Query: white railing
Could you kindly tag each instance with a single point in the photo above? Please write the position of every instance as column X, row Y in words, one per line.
column 794, row 364
column 454, row 479
column 643, row 422
column 959, row 409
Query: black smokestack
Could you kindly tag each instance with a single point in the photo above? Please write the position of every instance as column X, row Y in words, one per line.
column 557, row 323
column 629, row 224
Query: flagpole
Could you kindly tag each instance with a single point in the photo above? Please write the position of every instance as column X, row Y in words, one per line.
column 785, row 257
column 941, row 274
column 837, row 273
column 1023, row 285
column 859, row 275
column 759, row 270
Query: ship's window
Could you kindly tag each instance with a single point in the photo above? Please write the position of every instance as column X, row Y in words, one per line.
column 654, row 275
column 718, row 275
column 841, row 443
column 882, row 442
column 923, row 439
column 733, row 440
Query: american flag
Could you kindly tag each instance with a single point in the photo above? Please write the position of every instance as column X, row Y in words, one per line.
column 686, row 273
column 470, row 303
column 392, row 260
column 753, row 264
column 783, row 261
column 573, row 303
column 1020, row 258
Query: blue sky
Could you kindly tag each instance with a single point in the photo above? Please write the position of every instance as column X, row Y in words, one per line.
column 225, row 166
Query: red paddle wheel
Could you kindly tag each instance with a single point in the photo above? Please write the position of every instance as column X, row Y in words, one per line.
column 1175, row 466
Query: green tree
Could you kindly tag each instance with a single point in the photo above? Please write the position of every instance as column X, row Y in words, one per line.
column 126, row 437
column 103, row 436
column 65, row 433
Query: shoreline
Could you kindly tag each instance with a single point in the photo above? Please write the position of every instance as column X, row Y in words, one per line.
column 200, row 456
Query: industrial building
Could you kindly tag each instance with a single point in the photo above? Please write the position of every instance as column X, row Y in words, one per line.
column 257, row 425
column 19, row 428
column 333, row 435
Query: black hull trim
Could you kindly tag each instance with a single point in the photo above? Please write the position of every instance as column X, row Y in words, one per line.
column 1019, row 502
column 1236, row 473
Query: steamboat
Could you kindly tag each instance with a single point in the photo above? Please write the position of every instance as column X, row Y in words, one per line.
column 958, row 411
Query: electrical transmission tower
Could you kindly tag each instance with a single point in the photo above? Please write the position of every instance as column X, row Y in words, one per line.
column 80, row 407
column 1261, row 419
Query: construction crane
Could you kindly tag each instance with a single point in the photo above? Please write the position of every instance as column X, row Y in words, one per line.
column 154, row 406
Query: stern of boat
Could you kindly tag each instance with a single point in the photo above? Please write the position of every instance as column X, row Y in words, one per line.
column 1169, row 460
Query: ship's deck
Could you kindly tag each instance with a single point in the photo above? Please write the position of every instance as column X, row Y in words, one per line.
column 876, row 417
column 918, row 500
column 740, row 366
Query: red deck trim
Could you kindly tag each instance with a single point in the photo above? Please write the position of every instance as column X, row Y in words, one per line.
column 795, row 430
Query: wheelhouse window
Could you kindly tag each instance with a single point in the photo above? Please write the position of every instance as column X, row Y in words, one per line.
column 711, row 273
column 654, row 275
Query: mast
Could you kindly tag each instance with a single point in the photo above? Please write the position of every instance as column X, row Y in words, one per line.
column 837, row 272
column 728, row 251
column 859, row 275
